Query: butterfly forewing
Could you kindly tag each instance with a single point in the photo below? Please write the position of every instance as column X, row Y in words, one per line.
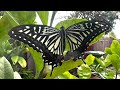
column 31, row 34
column 47, row 35
column 81, row 34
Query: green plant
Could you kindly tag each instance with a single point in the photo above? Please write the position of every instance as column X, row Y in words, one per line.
column 107, row 67
column 13, row 51
column 6, row 70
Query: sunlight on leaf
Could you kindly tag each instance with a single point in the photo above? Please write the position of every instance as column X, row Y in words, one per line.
column 115, row 47
column 89, row 59
column 67, row 75
column 84, row 71
column 22, row 62
column 67, row 65
column 115, row 59
column 23, row 17
column 108, row 50
column 100, row 62
column 14, row 59
column 17, row 75
column 38, row 61
column 43, row 16
column 6, row 71
column 6, row 23
column 107, row 60
column 14, row 18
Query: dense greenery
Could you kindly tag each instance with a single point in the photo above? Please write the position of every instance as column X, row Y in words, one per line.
column 14, row 62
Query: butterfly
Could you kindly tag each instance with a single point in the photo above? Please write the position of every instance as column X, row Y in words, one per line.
column 52, row 42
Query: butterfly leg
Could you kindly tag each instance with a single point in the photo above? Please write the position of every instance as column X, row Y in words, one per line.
column 53, row 66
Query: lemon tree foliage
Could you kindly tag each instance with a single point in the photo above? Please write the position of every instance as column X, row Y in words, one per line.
column 9, row 58
column 11, row 19
column 6, row 71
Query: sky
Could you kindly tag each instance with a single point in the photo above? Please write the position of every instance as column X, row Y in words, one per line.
column 58, row 17
column 116, row 29
column 61, row 14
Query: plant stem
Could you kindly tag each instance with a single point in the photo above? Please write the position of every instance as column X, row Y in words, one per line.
column 102, row 77
column 116, row 75
column 52, row 18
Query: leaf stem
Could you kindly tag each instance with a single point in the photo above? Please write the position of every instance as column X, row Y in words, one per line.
column 97, row 72
column 116, row 75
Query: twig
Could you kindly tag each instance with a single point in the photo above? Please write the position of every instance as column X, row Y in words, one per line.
column 116, row 75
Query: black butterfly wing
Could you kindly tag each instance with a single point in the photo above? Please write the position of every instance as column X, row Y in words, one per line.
column 51, row 37
column 41, row 38
column 81, row 34
column 30, row 34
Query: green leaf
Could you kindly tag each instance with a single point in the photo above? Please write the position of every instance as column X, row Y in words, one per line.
column 100, row 62
column 17, row 75
column 43, row 16
column 97, row 38
column 84, row 71
column 109, row 74
column 5, row 47
column 22, row 62
column 14, row 59
column 67, row 65
column 14, row 18
column 115, row 47
column 107, row 61
column 6, row 23
column 108, row 50
column 115, row 59
column 68, row 22
column 38, row 60
column 67, row 75
column 89, row 59
column 23, row 17
column 6, row 71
